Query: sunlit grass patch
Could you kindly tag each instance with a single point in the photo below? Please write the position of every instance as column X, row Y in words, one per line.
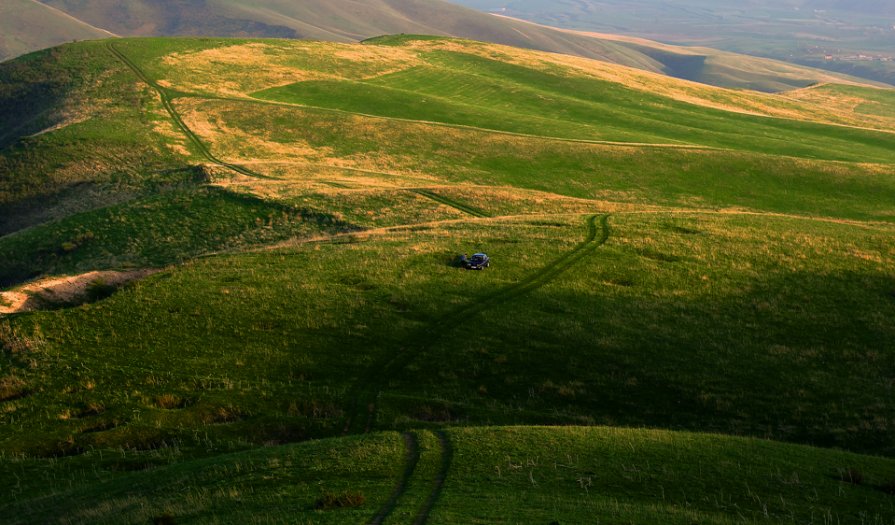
column 438, row 155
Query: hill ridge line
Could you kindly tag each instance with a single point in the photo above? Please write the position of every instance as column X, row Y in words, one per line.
column 78, row 20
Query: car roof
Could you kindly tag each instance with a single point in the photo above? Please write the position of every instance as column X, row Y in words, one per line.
column 479, row 255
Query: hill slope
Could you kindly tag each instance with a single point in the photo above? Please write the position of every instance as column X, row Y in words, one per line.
column 28, row 25
column 666, row 255
column 348, row 20
column 493, row 475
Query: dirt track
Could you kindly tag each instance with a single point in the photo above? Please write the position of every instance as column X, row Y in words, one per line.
column 66, row 290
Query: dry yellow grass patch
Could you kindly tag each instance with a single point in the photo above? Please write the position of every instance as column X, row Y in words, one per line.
column 162, row 124
column 246, row 68
column 843, row 104
column 514, row 201
column 381, row 60
column 231, row 70
column 361, row 172
column 867, row 256
column 234, row 144
column 296, row 178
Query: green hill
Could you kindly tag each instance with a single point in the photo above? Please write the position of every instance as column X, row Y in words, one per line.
column 496, row 475
column 709, row 264
column 348, row 21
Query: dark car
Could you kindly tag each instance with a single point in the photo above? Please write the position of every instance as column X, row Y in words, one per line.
column 478, row 261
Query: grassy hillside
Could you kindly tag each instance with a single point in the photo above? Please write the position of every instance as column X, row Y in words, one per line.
column 667, row 256
column 482, row 92
column 869, row 103
column 28, row 25
column 347, row 20
column 498, row 475
column 76, row 135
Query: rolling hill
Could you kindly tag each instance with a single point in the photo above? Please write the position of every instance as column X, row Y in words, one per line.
column 242, row 303
column 532, row 475
column 856, row 38
column 340, row 20
column 28, row 25
column 349, row 20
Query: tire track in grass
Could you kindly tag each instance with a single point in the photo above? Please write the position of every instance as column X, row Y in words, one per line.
column 365, row 393
column 165, row 97
column 447, row 457
column 412, row 458
column 447, row 201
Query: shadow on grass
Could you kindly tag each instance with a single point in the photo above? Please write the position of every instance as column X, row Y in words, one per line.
column 802, row 357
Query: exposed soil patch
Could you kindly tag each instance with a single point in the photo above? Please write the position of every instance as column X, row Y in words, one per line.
column 72, row 290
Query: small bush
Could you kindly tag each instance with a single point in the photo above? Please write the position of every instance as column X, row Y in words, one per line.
column 164, row 519
column 851, row 475
column 342, row 500
column 170, row 402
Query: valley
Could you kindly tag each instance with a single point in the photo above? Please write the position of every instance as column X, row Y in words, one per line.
column 687, row 318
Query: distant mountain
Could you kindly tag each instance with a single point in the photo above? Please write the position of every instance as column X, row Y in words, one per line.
column 867, row 7
column 171, row 17
column 334, row 20
column 828, row 34
column 28, row 25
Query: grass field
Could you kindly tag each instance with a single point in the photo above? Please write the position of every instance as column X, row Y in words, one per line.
column 684, row 299
column 497, row 475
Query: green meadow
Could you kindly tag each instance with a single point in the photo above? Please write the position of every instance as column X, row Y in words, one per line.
column 687, row 318
column 497, row 475
column 455, row 88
